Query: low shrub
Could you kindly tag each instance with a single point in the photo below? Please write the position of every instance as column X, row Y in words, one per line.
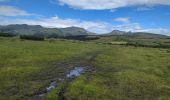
column 7, row 35
column 82, row 37
column 32, row 37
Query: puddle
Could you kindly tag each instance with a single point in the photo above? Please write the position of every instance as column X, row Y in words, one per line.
column 52, row 86
column 75, row 72
column 48, row 89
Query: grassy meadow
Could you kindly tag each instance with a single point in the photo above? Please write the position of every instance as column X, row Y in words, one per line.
column 125, row 73
column 26, row 66
column 119, row 72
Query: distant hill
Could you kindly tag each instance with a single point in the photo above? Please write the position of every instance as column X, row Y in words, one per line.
column 24, row 29
column 135, row 34
column 74, row 31
column 148, row 35
column 117, row 33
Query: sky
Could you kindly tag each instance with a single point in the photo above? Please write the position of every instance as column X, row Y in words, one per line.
column 99, row 16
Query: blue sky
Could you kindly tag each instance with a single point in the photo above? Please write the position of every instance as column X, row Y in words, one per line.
column 100, row 16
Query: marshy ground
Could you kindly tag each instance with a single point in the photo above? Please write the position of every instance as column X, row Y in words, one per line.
column 113, row 72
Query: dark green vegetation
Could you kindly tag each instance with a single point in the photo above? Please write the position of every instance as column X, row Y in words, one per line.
column 7, row 35
column 82, row 37
column 137, row 40
column 32, row 37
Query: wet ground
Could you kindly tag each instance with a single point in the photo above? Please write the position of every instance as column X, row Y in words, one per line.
column 71, row 75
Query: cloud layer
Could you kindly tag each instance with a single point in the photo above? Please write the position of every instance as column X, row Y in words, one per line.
column 110, row 4
column 122, row 20
column 12, row 11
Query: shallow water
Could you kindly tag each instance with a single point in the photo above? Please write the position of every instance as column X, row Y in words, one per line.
column 52, row 86
column 72, row 74
column 75, row 72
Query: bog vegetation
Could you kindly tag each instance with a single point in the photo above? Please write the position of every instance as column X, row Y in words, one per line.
column 117, row 70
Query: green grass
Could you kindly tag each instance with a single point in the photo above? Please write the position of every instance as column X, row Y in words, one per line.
column 54, row 94
column 125, row 73
column 118, row 42
column 119, row 72
column 26, row 66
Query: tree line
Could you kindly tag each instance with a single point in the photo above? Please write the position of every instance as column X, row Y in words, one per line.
column 40, row 37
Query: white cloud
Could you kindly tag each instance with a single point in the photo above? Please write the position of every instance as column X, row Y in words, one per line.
column 128, row 27
column 144, row 8
column 163, row 31
column 12, row 11
column 53, row 1
column 122, row 20
column 110, row 4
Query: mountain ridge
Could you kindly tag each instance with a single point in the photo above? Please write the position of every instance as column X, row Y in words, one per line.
column 24, row 29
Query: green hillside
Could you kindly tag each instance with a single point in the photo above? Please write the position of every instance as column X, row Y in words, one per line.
column 24, row 29
column 74, row 31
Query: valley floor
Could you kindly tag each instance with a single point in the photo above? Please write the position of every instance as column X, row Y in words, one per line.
column 113, row 72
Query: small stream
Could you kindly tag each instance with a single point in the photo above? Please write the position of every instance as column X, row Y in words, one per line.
column 77, row 71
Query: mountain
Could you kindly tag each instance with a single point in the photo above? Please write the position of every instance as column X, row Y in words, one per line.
column 117, row 33
column 148, row 35
column 135, row 34
column 74, row 31
column 24, row 29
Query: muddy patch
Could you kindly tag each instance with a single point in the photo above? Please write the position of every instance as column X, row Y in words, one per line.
column 70, row 75
column 52, row 86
